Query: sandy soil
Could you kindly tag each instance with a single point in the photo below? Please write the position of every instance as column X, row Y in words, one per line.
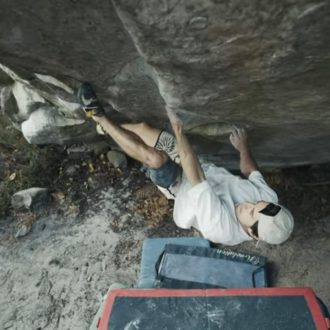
column 54, row 277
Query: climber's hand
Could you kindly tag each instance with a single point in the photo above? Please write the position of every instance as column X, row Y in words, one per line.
column 175, row 121
column 239, row 138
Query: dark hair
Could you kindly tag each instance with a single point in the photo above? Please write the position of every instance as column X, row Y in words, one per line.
column 254, row 229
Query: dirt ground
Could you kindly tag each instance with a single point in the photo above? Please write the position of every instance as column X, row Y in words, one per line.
column 91, row 235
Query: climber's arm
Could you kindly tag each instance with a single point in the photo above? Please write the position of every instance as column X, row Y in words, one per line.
column 239, row 140
column 189, row 161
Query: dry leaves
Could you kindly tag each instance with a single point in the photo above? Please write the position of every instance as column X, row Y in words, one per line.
column 59, row 197
column 24, row 224
column 146, row 191
column 72, row 211
column 152, row 205
column 12, row 177
column 91, row 167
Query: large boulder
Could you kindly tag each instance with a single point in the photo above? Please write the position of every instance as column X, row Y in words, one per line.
column 262, row 65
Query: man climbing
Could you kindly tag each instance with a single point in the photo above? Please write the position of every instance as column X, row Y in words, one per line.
column 224, row 208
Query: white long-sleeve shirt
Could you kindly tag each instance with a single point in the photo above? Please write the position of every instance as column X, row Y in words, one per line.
column 210, row 206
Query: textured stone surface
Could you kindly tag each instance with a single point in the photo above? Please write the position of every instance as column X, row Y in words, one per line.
column 262, row 65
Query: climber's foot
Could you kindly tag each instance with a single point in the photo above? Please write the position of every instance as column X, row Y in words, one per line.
column 88, row 100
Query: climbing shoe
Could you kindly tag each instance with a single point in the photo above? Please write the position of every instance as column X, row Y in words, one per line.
column 88, row 100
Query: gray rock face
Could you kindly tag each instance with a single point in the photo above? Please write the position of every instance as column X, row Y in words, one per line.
column 262, row 65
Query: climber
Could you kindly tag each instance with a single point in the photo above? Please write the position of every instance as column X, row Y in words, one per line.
column 225, row 208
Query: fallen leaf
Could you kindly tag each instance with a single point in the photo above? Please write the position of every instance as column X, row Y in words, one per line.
column 28, row 217
column 90, row 167
column 72, row 211
column 12, row 176
column 23, row 230
column 25, row 223
column 59, row 197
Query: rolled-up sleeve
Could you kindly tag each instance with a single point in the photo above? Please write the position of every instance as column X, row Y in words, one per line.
column 266, row 193
column 195, row 191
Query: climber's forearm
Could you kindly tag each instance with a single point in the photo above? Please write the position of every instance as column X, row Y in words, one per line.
column 189, row 160
column 247, row 162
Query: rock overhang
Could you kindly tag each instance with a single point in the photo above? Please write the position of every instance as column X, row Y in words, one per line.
column 264, row 66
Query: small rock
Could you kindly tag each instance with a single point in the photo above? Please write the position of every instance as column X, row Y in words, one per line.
column 99, row 130
column 86, row 150
column 99, row 147
column 72, row 170
column 117, row 159
column 30, row 198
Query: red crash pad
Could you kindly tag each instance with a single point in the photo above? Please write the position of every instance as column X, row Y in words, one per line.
column 262, row 308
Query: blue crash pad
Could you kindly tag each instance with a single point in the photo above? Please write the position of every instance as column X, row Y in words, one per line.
column 151, row 251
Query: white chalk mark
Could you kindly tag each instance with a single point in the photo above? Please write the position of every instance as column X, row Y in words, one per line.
column 133, row 325
column 311, row 10
column 12, row 74
column 53, row 81
column 232, row 39
column 217, row 317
